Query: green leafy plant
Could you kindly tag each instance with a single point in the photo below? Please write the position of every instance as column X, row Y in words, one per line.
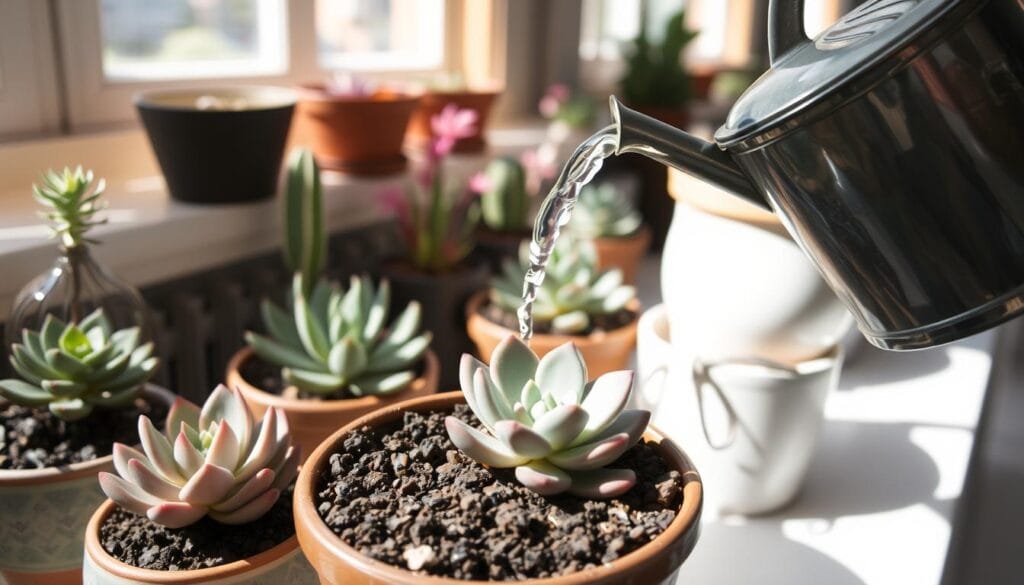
column 573, row 289
column 218, row 461
column 504, row 200
column 70, row 201
column 575, row 110
column 72, row 368
column 603, row 212
column 654, row 73
column 543, row 418
column 336, row 339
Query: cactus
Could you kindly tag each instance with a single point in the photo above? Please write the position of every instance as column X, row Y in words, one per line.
column 335, row 339
column 505, row 202
column 603, row 212
column 543, row 418
column 654, row 73
column 72, row 368
column 305, row 243
column 573, row 290
column 217, row 461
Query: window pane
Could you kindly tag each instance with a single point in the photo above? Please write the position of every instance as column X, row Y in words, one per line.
column 178, row 39
column 380, row 34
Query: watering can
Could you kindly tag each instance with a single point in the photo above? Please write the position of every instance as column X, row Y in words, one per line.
column 892, row 148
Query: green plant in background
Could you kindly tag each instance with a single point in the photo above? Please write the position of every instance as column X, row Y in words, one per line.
column 337, row 339
column 543, row 418
column 575, row 110
column 602, row 211
column 654, row 73
column 504, row 200
column 218, row 461
column 70, row 201
column 573, row 289
column 71, row 368
column 328, row 339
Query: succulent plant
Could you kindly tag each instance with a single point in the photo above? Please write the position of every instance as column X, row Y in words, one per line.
column 305, row 244
column 74, row 367
column 505, row 202
column 71, row 202
column 573, row 289
column 218, row 461
column 655, row 75
column 335, row 339
column 602, row 211
column 543, row 418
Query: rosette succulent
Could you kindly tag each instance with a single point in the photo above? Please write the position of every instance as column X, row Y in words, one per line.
column 72, row 368
column 337, row 339
column 604, row 212
column 573, row 289
column 218, row 462
column 542, row 417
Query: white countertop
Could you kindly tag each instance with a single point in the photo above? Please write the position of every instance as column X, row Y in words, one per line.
column 878, row 502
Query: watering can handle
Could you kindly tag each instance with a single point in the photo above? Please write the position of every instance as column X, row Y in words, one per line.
column 785, row 27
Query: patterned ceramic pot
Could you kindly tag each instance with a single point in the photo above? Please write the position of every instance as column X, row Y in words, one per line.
column 281, row 565
column 44, row 513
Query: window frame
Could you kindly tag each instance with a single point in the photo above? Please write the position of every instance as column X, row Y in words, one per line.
column 29, row 102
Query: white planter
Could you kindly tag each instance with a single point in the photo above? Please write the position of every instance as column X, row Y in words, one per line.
column 736, row 284
column 750, row 425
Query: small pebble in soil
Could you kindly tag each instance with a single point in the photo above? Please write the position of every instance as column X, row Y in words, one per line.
column 408, row 497
column 139, row 542
column 509, row 320
column 33, row 438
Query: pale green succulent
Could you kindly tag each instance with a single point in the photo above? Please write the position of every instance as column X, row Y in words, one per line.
column 71, row 202
column 337, row 339
column 604, row 212
column 543, row 418
column 74, row 367
column 573, row 289
column 218, row 461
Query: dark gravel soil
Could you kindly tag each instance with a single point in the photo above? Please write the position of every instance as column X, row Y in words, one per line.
column 406, row 496
column 137, row 541
column 508, row 320
column 33, row 438
column 267, row 377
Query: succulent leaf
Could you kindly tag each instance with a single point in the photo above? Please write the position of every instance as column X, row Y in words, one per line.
column 339, row 340
column 75, row 367
column 557, row 431
column 229, row 467
column 604, row 211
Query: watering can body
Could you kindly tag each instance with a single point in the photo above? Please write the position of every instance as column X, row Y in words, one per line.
column 892, row 148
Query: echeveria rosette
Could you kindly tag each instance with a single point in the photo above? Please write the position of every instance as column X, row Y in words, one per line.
column 71, row 368
column 337, row 339
column 218, row 462
column 573, row 289
column 604, row 212
column 543, row 419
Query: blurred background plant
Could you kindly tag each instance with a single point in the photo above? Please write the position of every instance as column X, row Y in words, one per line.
column 561, row 104
column 604, row 211
column 655, row 75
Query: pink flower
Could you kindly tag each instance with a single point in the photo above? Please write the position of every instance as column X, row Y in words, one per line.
column 538, row 169
column 449, row 126
column 480, row 183
column 556, row 95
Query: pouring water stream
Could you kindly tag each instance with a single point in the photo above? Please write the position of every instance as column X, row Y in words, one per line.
column 555, row 212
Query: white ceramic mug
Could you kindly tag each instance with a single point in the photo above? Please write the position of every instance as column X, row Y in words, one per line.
column 750, row 424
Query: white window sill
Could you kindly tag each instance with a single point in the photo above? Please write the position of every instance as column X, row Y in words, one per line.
column 150, row 237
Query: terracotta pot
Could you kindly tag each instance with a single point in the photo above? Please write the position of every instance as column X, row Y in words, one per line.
column 281, row 565
column 444, row 298
column 311, row 421
column 605, row 351
column 623, row 253
column 355, row 135
column 434, row 101
column 337, row 563
column 494, row 246
column 43, row 513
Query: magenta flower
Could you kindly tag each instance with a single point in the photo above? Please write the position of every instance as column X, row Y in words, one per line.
column 538, row 168
column 480, row 183
column 556, row 95
column 449, row 126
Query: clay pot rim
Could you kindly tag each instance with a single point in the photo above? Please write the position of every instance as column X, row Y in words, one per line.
column 431, row 370
column 495, row 330
column 104, row 560
column 29, row 477
column 643, row 233
column 319, row 535
column 316, row 92
column 488, row 88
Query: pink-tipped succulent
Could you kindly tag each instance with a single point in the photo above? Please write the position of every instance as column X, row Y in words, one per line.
column 218, row 461
column 546, row 421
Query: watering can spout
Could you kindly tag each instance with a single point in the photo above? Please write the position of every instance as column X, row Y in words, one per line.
column 636, row 132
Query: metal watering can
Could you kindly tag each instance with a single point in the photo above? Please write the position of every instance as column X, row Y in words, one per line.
column 892, row 148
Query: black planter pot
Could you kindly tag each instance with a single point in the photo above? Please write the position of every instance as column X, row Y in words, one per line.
column 493, row 246
column 443, row 297
column 219, row 155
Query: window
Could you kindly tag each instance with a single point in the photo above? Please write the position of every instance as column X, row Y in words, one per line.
column 180, row 39
column 383, row 35
column 28, row 77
